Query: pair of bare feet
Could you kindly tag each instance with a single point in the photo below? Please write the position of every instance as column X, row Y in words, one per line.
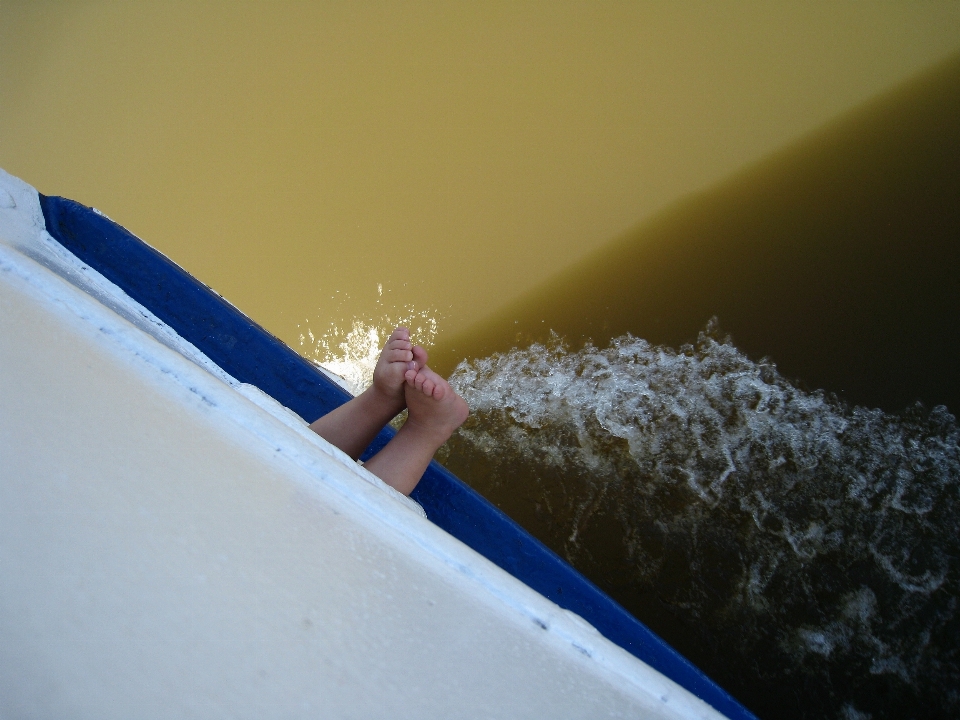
column 401, row 380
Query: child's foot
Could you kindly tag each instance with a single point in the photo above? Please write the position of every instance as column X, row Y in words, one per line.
column 435, row 411
column 398, row 357
column 354, row 425
column 432, row 404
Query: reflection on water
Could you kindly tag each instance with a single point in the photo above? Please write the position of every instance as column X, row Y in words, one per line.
column 803, row 553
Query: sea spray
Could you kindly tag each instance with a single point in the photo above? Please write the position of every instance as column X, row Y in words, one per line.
column 802, row 552
column 351, row 350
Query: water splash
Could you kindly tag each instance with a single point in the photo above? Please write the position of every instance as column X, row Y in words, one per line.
column 350, row 348
column 783, row 540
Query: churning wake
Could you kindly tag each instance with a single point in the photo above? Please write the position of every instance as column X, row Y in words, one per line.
column 803, row 553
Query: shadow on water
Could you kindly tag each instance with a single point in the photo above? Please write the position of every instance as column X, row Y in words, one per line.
column 802, row 550
column 836, row 257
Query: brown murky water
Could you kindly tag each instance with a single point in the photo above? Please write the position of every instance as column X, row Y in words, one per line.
column 492, row 171
column 293, row 155
column 836, row 258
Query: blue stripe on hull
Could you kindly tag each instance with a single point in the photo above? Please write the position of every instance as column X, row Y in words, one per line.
column 250, row 354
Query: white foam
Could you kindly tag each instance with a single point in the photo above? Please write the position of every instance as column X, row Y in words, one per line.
column 705, row 442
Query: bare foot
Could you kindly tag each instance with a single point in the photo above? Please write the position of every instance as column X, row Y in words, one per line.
column 354, row 425
column 398, row 357
column 432, row 404
column 435, row 411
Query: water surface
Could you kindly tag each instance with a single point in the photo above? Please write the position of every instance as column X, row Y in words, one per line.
column 297, row 155
column 836, row 257
column 780, row 501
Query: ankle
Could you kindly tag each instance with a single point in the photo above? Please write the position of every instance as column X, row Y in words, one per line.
column 382, row 402
column 425, row 435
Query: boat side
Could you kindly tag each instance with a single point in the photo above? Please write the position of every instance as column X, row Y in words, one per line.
column 239, row 360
